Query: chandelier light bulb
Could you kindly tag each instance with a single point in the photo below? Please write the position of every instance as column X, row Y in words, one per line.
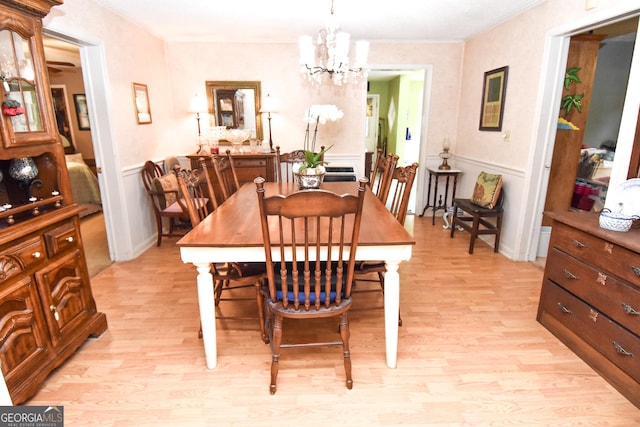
column 330, row 56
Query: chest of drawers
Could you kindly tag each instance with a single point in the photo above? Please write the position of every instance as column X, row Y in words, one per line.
column 590, row 297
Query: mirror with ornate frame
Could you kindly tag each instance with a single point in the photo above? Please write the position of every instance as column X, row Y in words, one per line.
column 236, row 105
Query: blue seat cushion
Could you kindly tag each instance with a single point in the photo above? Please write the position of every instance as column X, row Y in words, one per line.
column 312, row 295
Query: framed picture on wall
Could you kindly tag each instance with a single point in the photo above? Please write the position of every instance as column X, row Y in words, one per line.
column 494, row 89
column 82, row 111
column 63, row 119
column 141, row 103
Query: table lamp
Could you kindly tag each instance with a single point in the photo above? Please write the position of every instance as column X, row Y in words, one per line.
column 445, row 155
column 268, row 107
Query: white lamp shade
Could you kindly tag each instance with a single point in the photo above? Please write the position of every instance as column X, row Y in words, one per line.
column 198, row 105
column 362, row 52
column 307, row 51
column 269, row 105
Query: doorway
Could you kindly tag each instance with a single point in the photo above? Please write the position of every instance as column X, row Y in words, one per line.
column 67, row 83
column 583, row 154
column 554, row 71
column 401, row 93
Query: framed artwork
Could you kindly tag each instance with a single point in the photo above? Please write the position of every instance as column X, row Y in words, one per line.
column 141, row 103
column 494, row 89
column 63, row 120
column 82, row 111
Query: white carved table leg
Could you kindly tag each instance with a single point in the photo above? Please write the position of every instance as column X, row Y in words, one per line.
column 391, row 311
column 207, row 313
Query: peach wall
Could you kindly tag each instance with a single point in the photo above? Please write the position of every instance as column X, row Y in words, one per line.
column 131, row 55
column 446, row 62
column 174, row 71
column 518, row 43
column 276, row 66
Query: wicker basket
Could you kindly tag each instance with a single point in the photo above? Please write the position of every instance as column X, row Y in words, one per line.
column 615, row 221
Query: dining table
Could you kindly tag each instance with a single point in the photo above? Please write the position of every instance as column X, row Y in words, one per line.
column 232, row 233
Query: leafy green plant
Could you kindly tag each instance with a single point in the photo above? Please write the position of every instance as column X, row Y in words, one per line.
column 569, row 102
column 313, row 160
column 571, row 76
column 572, row 101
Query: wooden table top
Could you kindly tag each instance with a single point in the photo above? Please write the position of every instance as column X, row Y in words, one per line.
column 236, row 223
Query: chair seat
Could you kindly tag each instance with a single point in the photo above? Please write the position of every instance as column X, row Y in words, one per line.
column 312, row 295
column 176, row 207
column 364, row 267
column 245, row 269
column 468, row 206
column 475, row 221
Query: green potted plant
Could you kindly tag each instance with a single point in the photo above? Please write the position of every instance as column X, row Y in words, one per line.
column 310, row 172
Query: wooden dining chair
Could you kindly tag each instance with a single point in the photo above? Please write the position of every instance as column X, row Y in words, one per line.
column 402, row 181
column 285, row 162
column 482, row 213
column 162, row 190
column 318, row 232
column 226, row 276
column 380, row 179
column 226, row 174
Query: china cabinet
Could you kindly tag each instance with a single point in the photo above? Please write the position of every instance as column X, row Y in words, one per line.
column 47, row 308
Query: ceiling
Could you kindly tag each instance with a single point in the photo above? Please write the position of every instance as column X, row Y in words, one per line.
column 285, row 20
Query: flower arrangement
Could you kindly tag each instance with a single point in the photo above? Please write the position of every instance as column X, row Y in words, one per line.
column 318, row 114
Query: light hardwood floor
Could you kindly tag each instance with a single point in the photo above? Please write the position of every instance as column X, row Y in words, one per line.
column 470, row 353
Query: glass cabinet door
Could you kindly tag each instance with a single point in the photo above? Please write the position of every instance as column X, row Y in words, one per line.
column 21, row 104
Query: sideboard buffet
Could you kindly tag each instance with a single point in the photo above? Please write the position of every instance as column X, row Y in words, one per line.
column 590, row 296
column 47, row 309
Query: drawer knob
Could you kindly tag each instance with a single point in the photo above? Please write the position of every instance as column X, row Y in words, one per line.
column 570, row 275
column 564, row 309
column 577, row 243
column 621, row 350
column 69, row 239
column 36, row 254
column 54, row 310
column 630, row 310
column 636, row 270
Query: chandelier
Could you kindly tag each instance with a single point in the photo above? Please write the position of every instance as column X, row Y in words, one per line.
column 330, row 55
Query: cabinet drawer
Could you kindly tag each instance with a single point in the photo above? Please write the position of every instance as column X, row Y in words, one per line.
column 61, row 238
column 250, row 163
column 606, row 293
column 605, row 255
column 613, row 341
column 21, row 256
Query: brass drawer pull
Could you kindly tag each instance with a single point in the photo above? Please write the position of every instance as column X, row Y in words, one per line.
column 570, row 275
column 621, row 350
column 36, row 254
column 69, row 239
column 54, row 310
column 578, row 243
column 630, row 310
column 564, row 309
column 636, row 270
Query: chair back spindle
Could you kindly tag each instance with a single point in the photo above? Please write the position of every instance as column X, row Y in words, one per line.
column 190, row 184
column 380, row 178
column 226, row 174
column 400, row 191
